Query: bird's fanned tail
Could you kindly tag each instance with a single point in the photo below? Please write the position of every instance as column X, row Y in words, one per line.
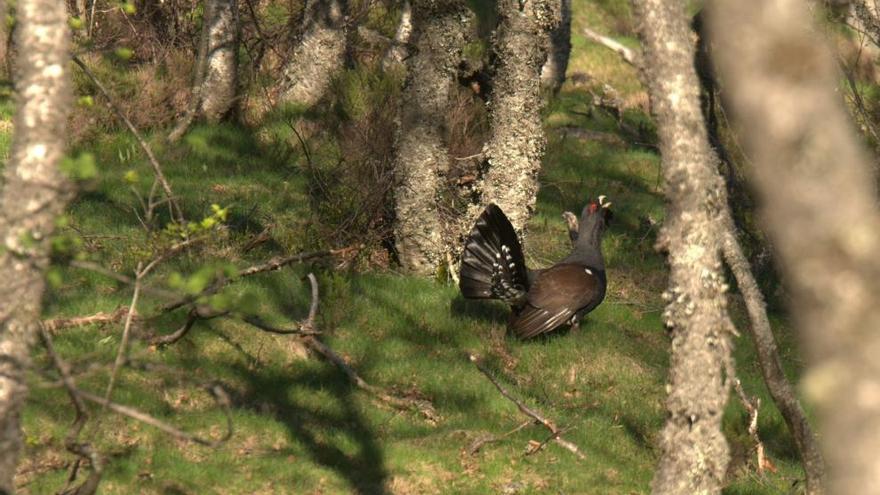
column 493, row 265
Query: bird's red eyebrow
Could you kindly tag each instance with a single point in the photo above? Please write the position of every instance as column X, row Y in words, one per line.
column 593, row 207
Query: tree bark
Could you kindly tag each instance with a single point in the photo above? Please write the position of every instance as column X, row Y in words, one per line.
column 215, row 82
column 320, row 54
column 422, row 156
column 34, row 193
column 397, row 52
column 558, row 50
column 220, row 79
column 694, row 453
column 516, row 144
column 825, row 224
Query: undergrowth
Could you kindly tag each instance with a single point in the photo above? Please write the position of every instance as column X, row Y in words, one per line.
column 296, row 180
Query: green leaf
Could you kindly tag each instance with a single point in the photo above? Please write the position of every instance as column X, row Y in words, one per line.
column 85, row 101
column 75, row 23
column 124, row 53
column 131, row 176
column 82, row 167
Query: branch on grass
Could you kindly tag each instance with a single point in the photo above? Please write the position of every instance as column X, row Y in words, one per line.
column 628, row 55
column 555, row 431
column 100, row 318
column 176, row 212
column 424, row 407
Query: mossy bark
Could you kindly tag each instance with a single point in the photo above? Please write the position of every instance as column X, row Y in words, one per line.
column 516, row 145
column 694, row 453
column 34, row 192
column 320, row 54
column 440, row 33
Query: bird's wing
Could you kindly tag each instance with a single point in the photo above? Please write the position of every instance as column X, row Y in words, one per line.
column 557, row 294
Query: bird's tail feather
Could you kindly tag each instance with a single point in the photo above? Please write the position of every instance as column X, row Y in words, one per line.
column 493, row 265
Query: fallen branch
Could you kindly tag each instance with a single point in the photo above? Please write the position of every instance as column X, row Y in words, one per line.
column 100, row 318
column 76, row 394
column 629, row 55
column 424, row 407
column 555, row 431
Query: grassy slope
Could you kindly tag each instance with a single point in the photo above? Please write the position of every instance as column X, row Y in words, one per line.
column 299, row 426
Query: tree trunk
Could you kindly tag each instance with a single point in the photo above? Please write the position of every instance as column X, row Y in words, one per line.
column 781, row 83
column 422, row 156
column 215, row 82
column 397, row 52
column 768, row 357
column 558, row 50
column 516, row 144
column 319, row 55
column 220, row 80
column 694, row 453
column 34, row 193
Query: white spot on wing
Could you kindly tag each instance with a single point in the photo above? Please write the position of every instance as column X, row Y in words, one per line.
column 589, row 272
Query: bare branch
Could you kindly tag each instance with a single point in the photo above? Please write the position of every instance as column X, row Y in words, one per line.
column 628, row 55
column 126, row 332
column 100, row 318
column 157, row 169
column 217, row 393
column 555, row 431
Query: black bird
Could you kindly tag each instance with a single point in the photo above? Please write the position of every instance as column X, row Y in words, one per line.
column 493, row 267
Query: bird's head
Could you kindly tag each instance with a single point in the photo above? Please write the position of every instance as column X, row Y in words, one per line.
column 597, row 214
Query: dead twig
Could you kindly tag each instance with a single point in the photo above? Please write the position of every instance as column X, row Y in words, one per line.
column 555, row 431
column 176, row 212
column 628, row 55
column 81, row 450
column 752, row 405
column 100, row 318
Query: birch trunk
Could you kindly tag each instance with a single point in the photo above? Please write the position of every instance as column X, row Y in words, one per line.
column 33, row 194
column 320, row 54
column 781, row 83
column 694, row 453
column 422, row 156
column 220, row 83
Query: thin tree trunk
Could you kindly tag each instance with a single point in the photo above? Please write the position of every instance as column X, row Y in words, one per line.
column 820, row 208
column 558, row 50
column 422, row 155
column 517, row 141
column 398, row 51
column 694, row 453
column 220, row 83
column 320, row 54
column 215, row 81
column 34, row 193
column 768, row 358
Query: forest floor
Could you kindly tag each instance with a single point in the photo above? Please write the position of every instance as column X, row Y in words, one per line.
column 299, row 425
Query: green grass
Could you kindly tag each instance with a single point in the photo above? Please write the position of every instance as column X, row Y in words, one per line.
column 299, row 425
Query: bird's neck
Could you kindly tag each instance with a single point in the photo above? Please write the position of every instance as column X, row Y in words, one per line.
column 588, row 248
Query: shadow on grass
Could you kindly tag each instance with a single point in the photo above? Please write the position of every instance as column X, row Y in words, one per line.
column 289, row 397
